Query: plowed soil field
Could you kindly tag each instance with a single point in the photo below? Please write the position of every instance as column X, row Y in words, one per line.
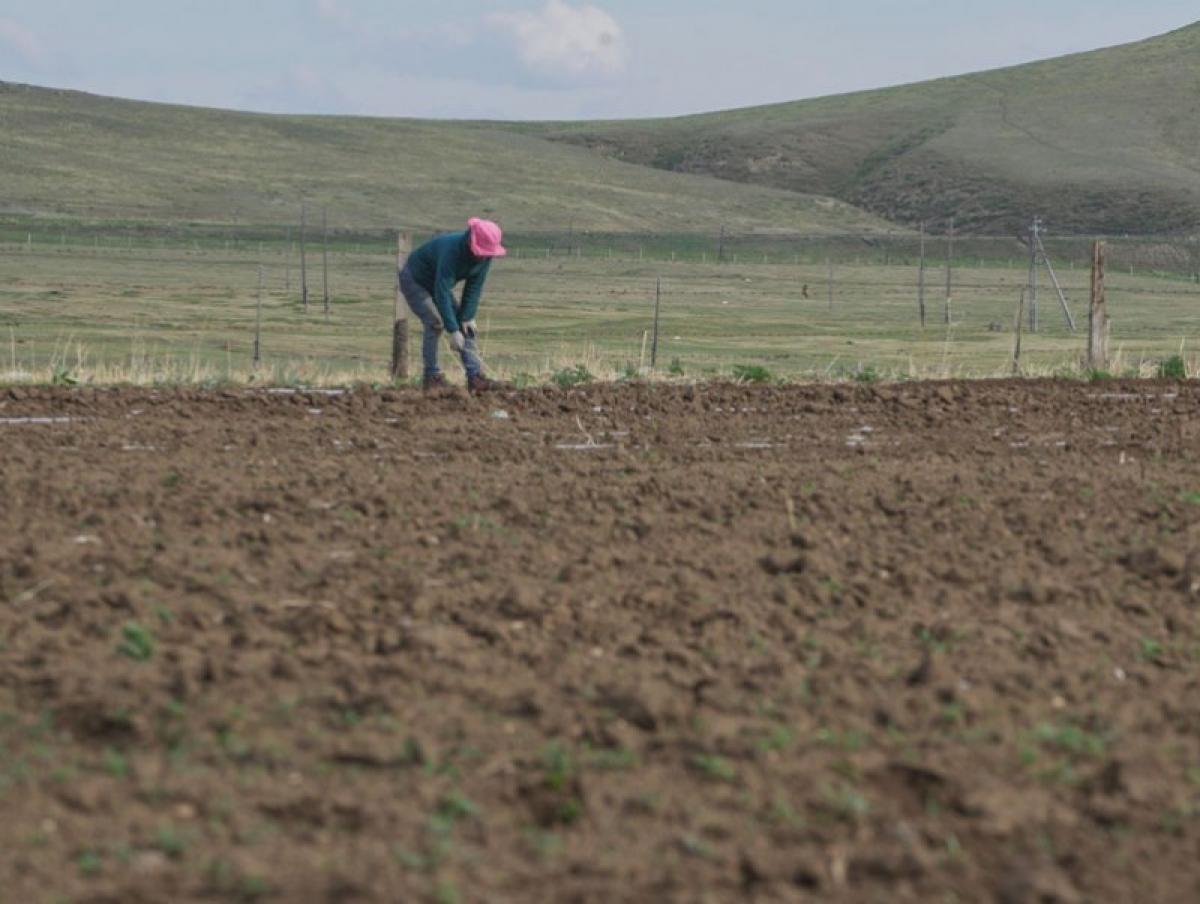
column 929, row 642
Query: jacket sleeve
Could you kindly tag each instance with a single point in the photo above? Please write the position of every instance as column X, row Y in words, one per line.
column 473, row 291
column 443, row 293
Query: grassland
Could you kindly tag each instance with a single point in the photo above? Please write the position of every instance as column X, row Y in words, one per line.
column 73, row 154
column 1102, row 141
column 148, row 312
column 1107, row 141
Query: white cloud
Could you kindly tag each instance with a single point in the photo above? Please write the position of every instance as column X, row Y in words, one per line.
column 332, row 9
column 24, row 42
column 565, row 39
column 341, row 18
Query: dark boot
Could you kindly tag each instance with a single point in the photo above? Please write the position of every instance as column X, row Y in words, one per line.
column 434, row 383
column 479, row 383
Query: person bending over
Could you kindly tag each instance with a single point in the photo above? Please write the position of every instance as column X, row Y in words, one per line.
column 427, row 282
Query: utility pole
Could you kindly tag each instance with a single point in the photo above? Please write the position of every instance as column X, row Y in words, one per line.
column 949, row 269
column 1062, row 296
column 721, row 246
column 829, row 265
column 1038, row 256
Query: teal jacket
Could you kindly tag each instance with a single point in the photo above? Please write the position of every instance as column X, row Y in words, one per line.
column 439, row 265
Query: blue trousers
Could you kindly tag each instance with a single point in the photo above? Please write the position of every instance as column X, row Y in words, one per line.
column 420, row 302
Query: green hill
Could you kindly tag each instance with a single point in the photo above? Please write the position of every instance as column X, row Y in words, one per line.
column 75, row 154
column 1103, row 141
column 1107, row 141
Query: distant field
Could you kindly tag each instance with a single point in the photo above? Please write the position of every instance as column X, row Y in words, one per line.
column 144, row 312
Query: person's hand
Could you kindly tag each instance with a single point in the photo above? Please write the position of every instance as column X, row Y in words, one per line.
column 470, row 329
column 459, row 341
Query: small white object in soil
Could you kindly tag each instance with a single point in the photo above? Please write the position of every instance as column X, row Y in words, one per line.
column 500, row 415
column 40, row 420
column 320, row 392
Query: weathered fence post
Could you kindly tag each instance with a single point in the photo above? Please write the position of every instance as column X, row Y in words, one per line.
column 949, row 270
column 1034, row 238
column 921, row 279
column 325, row 256
column 657, row 306
column 1016, row 368
column 399, row 315
column 303, row 257
column 1098, row 312
column 258, row 322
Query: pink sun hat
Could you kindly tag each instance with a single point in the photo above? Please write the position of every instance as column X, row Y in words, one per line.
column 485, row 238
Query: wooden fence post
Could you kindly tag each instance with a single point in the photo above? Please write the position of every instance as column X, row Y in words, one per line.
column 399, row 314
column 1098, row 313
column 1016, row 368
column 921, row 279
column 325, row 256
column 258, row 323
column 949, row 271
column 303, row 257
column 657, row 305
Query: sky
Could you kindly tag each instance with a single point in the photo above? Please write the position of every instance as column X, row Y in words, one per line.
column 538, row 59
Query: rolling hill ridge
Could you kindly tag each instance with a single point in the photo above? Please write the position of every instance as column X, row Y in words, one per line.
column 80, row 155
column 1105, row 141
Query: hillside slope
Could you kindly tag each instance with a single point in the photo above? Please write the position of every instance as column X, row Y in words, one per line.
column 1102, row 141
column 71, row 153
